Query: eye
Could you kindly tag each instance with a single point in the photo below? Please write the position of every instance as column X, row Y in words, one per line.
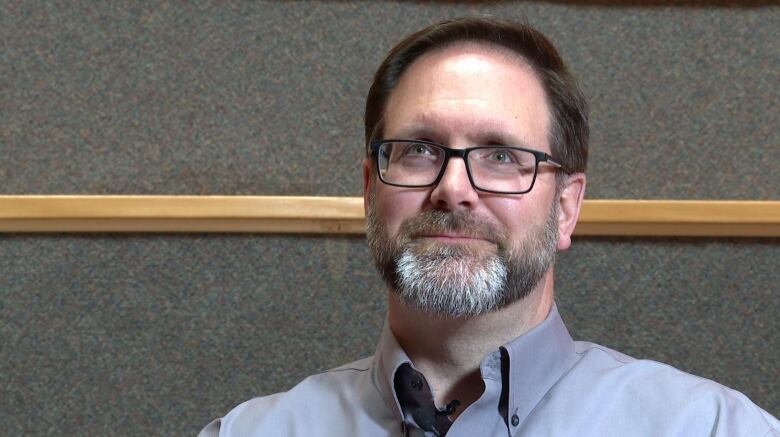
column 500, row 155
column 417, row 149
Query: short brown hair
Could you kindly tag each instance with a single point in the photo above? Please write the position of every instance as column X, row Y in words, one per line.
column 569, row 118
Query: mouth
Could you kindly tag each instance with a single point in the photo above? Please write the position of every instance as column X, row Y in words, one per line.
column 453, row 238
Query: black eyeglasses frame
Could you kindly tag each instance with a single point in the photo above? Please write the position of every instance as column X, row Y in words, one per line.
column 463, row 154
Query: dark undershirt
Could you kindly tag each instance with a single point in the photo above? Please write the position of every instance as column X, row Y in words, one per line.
column 416, row 399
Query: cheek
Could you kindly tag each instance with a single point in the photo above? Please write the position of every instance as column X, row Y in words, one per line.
column 518, row 215
column 396, row 205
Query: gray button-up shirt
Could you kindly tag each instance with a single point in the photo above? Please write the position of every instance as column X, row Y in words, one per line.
column 540, row 384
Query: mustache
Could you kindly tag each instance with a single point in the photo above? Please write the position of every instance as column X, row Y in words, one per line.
column 459, row 222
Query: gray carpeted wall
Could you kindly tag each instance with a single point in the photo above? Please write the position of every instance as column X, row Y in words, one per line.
column 158, row 334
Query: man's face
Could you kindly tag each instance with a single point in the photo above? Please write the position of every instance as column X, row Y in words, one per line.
column 450, row 249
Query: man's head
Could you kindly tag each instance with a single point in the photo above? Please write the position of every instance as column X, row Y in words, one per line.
column 448, row 247
column 568, row 109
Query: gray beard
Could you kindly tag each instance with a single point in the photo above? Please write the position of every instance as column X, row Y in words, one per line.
column 457, row 280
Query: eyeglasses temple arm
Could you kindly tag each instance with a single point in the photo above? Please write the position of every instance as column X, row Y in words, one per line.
column 549, row 159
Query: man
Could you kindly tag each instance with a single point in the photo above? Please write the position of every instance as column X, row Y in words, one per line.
column 477, row 145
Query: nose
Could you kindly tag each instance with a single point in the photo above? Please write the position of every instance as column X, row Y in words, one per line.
column 454, row 190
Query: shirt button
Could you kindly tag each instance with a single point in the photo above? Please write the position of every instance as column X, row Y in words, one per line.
column 417, row 383
column 515, row 420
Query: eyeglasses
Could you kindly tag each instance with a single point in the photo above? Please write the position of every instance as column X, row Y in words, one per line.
column 493, row 169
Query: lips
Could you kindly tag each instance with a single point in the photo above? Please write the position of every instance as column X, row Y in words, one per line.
column 451, row 237
column 450, row 227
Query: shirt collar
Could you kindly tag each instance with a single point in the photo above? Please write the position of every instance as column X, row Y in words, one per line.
column 389, row 357
column 537, row 360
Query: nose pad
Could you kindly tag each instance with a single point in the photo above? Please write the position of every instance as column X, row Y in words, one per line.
column 454, row 189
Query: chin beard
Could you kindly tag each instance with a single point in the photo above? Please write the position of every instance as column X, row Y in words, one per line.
column 450, row 281
column 460, row 280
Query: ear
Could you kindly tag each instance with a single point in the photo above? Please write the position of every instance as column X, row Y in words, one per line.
column 570, row 202
column 366, row 184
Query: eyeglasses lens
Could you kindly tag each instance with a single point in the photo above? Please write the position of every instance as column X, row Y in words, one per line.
column 501, row 169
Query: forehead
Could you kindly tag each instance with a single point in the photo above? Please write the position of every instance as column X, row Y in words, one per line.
column 473, row 91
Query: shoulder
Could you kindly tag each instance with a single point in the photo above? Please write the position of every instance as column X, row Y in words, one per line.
column 655, row 393
column 329, row 399
column 652, row 378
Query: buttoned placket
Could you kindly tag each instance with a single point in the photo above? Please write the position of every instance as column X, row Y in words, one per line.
column 517, row 377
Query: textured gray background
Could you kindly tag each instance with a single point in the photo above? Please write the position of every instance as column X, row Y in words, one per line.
column 235, row 97
column 136, row 335
column 139, row 334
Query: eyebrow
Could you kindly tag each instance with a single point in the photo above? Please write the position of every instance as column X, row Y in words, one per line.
column 501, row 138
column 482, row 138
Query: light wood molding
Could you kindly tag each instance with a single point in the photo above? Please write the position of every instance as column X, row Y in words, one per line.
column 344, row 215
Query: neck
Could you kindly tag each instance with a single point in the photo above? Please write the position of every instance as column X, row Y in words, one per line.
column 449, row 350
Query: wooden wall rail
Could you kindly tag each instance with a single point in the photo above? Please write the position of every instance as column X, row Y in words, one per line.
column 344, row 215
